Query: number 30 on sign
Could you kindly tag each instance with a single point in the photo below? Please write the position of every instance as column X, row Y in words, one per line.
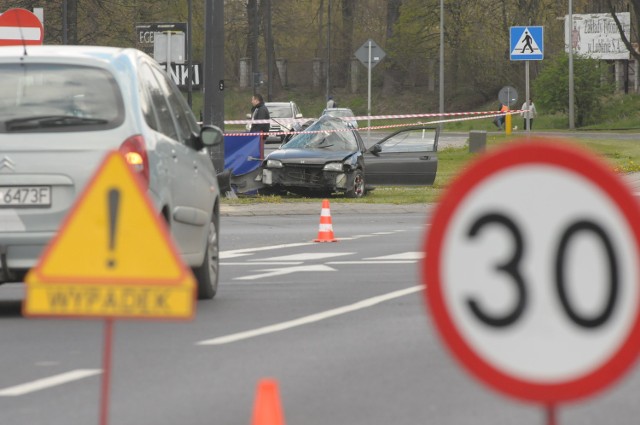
column 531, row 271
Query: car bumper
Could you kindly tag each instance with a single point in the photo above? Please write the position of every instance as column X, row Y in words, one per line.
column 306, row 178
column 21, row 251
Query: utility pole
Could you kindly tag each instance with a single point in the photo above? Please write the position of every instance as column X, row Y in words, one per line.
column 213, row 113
column 269, row 43
column 328, row 87
column 189, row 53
column 441, row 58
column 572, row 124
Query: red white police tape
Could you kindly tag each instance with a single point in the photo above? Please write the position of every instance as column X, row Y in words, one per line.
column 477, row 115
column 376, row 117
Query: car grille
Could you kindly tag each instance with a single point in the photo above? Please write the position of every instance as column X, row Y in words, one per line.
column 304, row 173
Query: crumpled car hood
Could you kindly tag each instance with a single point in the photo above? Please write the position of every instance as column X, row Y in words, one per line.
column 308, row 156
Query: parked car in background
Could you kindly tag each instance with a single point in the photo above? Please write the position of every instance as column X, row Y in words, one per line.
column 283, row 119
column 344, row 113
column 331, row 157
column 62, row 108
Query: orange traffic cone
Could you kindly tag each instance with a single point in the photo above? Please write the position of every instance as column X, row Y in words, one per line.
column 325, row 232
column 267, row 408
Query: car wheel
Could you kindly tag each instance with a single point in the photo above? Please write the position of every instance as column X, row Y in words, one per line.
column 207, row 273
column 357, row 189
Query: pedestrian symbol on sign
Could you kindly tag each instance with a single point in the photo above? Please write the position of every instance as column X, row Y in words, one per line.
column 526, row 43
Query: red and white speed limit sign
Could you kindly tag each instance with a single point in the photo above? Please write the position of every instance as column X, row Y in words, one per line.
column 531, row 271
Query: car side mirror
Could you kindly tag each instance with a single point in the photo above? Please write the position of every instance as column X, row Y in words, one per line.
column 211, row 135
column 298, row 115
column 375, row 150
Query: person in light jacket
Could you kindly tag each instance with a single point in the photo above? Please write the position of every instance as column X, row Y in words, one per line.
column 528, row 114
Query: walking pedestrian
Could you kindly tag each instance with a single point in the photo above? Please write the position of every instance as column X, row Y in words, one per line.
column 528, row 114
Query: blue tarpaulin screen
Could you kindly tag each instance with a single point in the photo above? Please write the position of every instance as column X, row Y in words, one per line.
column 237, row 153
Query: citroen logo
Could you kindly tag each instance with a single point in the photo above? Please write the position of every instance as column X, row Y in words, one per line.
column 6, row 163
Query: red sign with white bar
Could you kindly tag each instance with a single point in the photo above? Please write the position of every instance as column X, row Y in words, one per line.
column 20, row 27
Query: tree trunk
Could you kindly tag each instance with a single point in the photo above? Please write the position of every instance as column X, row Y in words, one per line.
column 344, row 63
column 391, row 71
column 273, row 77
column 252, row 39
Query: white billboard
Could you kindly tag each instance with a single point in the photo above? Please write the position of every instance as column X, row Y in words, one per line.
column 597, row 36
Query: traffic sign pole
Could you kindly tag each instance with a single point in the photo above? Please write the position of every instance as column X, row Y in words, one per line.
column 369, row 96
column 527, row 97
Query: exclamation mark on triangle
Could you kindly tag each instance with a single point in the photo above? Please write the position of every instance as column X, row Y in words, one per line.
column 113, row 201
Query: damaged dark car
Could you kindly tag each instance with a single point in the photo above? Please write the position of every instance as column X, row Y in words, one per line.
column 330, row 157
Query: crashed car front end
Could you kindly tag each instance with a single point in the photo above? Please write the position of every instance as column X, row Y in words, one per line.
column 335, row 176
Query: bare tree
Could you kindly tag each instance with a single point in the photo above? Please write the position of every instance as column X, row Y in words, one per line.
column 635, row 16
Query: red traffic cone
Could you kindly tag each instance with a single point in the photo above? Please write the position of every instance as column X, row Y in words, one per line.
column 325, row 232
column 267, row 409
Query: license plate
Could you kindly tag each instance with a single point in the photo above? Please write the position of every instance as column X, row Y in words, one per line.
column 25, row 196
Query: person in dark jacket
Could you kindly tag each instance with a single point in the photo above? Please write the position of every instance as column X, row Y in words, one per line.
column 259, row 112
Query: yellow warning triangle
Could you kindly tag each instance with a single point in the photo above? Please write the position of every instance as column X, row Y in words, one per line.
column 112, row 235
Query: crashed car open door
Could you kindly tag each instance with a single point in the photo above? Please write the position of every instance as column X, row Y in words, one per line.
column 406, row 157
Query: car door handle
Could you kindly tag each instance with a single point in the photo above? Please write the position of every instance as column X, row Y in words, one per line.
column 426, row 157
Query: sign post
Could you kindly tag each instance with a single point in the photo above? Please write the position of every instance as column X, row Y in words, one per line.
column 526, row 43
column 111, row 258
column 532, row 275
column 369, row 54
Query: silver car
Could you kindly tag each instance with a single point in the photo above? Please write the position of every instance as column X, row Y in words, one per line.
column 62, row 108
column 344, row 113
column 283, row 119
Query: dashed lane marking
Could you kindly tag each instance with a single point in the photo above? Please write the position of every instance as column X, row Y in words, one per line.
column 369, row 302
column 287, row 270
column 49, row 382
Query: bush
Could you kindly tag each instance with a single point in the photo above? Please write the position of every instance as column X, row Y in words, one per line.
column 552, row 88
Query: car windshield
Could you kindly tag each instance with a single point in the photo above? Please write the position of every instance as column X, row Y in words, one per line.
column 50, row 97
column 327, row 133
column 280, row 111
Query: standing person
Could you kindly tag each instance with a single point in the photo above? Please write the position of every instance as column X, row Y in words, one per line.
column 528, row 114
column 331, row 103
column 259, row 112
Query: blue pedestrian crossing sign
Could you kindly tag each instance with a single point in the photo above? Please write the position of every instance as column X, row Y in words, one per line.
column 527, row 43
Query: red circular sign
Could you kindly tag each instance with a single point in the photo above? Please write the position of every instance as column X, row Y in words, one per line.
column 20, row 27
column 531, row 271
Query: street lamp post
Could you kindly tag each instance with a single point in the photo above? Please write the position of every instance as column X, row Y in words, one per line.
column 572, row 124
column 441, row 57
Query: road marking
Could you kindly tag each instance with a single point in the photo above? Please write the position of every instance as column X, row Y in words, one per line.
column 372, row 262
column 287, row 270
column 49, row 382
column 416, row 255
column 248, row 251
column 262, row 263
column 369, row 302
column 307, row 256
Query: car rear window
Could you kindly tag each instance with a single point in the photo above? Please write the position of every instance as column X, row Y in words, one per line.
column 58, row 97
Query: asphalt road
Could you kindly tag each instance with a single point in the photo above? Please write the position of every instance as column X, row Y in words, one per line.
column 342, row 327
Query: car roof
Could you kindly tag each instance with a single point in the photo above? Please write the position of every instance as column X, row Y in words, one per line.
column 279, row 103
column 70, row 54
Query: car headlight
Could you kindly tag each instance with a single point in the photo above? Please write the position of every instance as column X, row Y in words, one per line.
column 274, row 163
column 333, row 166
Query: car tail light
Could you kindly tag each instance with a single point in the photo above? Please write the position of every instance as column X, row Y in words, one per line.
column 135, row 153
